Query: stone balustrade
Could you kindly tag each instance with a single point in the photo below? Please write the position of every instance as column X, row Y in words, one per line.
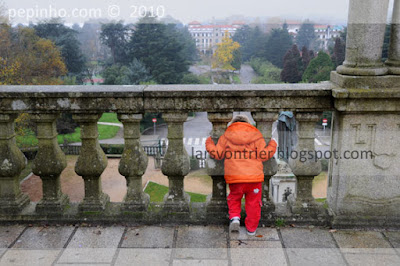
column 46, row 103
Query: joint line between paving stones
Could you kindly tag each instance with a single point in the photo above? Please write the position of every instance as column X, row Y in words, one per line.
column 338, row 247
column 114, row 259
column 65, row 246
column 18, row 237
column 283, row 246
column 228, row 245
column 390, row 243
column 174, row 240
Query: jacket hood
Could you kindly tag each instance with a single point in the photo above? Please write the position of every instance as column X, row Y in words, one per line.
column 242, row 133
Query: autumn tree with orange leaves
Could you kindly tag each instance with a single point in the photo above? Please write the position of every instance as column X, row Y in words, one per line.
column 224, row 54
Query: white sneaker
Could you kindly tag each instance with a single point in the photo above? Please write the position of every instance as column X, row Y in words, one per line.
column 251, row 233
column 234, row 224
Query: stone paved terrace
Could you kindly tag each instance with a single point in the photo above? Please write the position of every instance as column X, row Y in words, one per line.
column 195, row 245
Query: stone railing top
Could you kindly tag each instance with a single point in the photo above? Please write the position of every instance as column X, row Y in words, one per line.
column 164, row 98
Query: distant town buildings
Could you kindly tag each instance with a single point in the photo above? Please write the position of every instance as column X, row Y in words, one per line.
column 208, row 36
column 325, row 33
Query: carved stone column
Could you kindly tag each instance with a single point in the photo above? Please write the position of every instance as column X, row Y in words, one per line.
column 91, row 163
column 393, row 61
column 176, row 164
column 48, row 164
column 305, row 167
column 217, row 206
column 264, row 122
column 133, row 164
column 365, row 35
column 12, row 162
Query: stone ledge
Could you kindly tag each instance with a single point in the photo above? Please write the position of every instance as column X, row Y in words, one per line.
column 365, row 82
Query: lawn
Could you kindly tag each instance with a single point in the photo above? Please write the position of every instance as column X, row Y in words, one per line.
column 157, row 193
column 105, row 132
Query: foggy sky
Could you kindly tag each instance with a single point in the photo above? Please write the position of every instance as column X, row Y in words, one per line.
column 201, row 10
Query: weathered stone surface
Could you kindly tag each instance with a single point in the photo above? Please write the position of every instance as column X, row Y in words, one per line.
column 12, row 162
column 393, row 62
column 49, row 163
column 143, row 256
column 258, row 256
column 8, row 234
column 217, row 207
column 90, row 164
column 263, row 234
column 133, row 164
column 255, row 244
column 372, row 259
column 30, row 257
column 264, row 121
column 201, row 262
column 200, row 242
column 176, row 164
column 394, row 238
column 92, row 245
column 315, row 256
column 149, row 237
column 307, row 238
column 361, row 240
column 365, row 35
column 366, row 83
column 44, row 237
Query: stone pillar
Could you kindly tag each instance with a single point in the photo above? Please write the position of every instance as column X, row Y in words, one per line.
column 264, row 122
column 133, row 164
column 393, row 61
column 48, row 164
column 365, row 35
column 305, row 167
column 91, row 163
column 12, row 162
column 216, row 203
column 176, row 164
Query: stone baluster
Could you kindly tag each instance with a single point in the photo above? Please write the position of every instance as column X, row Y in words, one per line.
column 305, row 167
column 12, row 162
column 216, row 203
column 365, row 35
column 264, row 122
column 48, row 164
column 393, row 61
column 133, row 164
column 91, row 163
column 176, row 164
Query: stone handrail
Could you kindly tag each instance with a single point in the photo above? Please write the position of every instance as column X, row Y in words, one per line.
column 87, row 103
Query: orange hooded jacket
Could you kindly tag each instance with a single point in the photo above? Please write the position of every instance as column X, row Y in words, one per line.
column 244, row 149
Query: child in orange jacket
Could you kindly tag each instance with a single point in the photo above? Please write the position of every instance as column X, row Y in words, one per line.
column 244, row 149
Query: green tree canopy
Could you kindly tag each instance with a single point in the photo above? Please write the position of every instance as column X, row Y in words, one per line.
column 292, row 64
column 319, row 68
column 115, row 36
column 306, row 35
column 279, row 41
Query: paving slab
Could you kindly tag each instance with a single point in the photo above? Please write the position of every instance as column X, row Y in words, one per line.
column 201, row 242
column 360, row 240
column 307, row 238
column 201, row 262
column 255, row 244
column 366, row 259
column 143, row 256
column 92, row 245
column 257, row 256
column 262, row 234
column 42, row 257
column 97, row 237
column 315, row 256
column 87, row 255
column 44, row 237
column 394, row 238
column 149, row 237
column 8, row 234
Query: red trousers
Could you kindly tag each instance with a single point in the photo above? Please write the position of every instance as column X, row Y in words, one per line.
column 252, row 192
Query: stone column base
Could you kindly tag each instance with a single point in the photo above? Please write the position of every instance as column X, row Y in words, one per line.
column 216, row 209
column 365, row 82
column 52, row 207
column 180, row 205
column 307, row 212
column 94, row 205
column 15, row 206
column 140, row 205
